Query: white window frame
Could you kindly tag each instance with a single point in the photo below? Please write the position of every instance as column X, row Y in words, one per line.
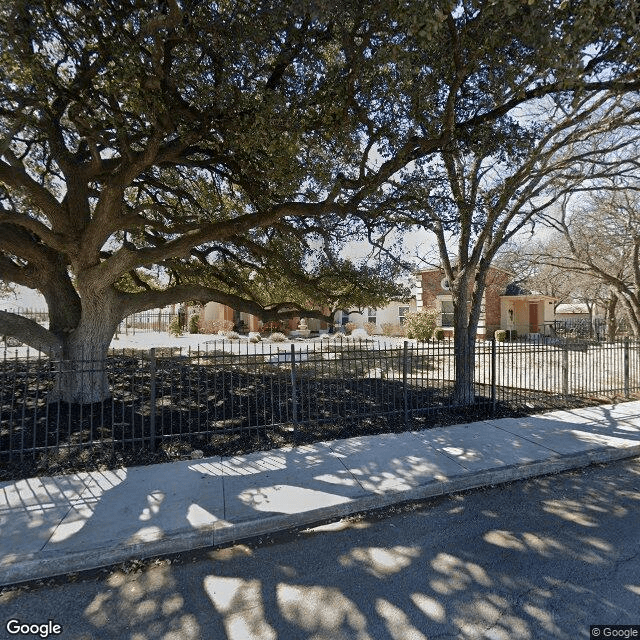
column 401, row 314
column 441, row 301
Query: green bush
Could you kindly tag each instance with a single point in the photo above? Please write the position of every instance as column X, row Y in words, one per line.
column 438, row 334
column 421, row 324
column 193, row 324
column 175, row 327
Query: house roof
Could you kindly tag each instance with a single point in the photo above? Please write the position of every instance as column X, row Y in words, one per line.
column 531, row 297
column 572, row 307
column 492, row 267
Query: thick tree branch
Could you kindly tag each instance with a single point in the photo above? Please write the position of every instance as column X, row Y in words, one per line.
column 134, row 302
column 19, row 179
column 29, row 332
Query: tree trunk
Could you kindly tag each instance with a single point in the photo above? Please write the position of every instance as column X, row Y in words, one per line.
column 633, row 313
column 463, row 342
column 464, row 355
column 81, row 377
column 612, row 303
column 466, row 319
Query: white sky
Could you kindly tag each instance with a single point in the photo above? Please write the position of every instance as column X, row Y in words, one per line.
column 24, row 298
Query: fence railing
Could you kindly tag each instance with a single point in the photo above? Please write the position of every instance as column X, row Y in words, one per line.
column 146, row 322
column 223, row 388
column 155, row 320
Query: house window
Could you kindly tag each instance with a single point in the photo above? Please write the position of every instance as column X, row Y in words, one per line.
column 446, row 313
column 402, row 311
column 371, row 317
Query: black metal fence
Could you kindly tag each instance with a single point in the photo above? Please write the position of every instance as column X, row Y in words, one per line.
column 223, row 388
column 154, row 320
column 589, row 329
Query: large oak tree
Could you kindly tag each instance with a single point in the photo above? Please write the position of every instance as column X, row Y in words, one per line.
column 201, row 142
column 153, row 153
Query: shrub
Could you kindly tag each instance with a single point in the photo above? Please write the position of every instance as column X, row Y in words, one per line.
column 231, row 335
column 193, row 324
column 505, row 335
column 438, row 334
column 175, row 327
column 254, row 337
column 370, row 327
column 272, row 327
column 214, row 326
column 277, row 337
column 421, row 324
column 390, row 329
column 350, row 326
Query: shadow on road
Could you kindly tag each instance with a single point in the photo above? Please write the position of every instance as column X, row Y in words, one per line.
column 543, row 558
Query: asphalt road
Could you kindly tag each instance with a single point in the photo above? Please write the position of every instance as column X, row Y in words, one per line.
column 542, row 558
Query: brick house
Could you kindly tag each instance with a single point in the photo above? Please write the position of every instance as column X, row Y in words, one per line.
column 524, row 313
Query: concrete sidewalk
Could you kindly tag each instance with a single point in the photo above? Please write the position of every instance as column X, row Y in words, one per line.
column 52, row 526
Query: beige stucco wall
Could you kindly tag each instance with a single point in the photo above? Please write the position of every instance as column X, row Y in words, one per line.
column 384, row 315
column 520, row 307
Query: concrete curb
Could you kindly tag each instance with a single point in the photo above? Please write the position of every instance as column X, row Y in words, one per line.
column 45, row 565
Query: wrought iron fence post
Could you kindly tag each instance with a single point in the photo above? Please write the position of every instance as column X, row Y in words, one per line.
column 152, row 398
column 626, row 367
column 405, row 399
column 493, row 375
column 565, row 368
column 294, row 395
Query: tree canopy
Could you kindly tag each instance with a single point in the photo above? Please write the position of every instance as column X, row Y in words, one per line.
column 599, row 239
column 204, row 141
column 158, row 152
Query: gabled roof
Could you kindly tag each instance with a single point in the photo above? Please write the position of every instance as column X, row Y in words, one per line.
column 531, row 297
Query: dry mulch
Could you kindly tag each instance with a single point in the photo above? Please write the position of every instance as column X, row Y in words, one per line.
column 101, row 456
